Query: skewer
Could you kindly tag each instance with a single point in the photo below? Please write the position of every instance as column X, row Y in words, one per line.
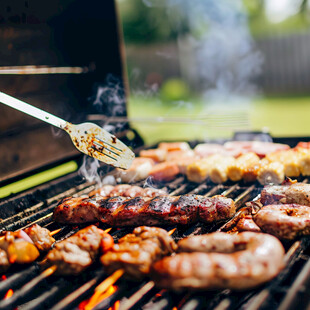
column 108, row 282
column 54, row 232
column 31, row 285
column 129, row 303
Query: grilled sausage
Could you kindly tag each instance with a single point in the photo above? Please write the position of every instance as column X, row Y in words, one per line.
column 221, row 260
column 121, row 211
column 286, row 221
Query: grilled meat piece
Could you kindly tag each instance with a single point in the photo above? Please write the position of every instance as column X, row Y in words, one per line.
column 138, row 170
column 286, row 221
column 126, row 190
column 136, row 252
column 298, row 193
column 242, row 220
column 74, row 254
column 121, row 211
column 4, row 261
column 40, row 236
column 19, row 247
column 166, row 171
column 77, row 210
column 220, row 260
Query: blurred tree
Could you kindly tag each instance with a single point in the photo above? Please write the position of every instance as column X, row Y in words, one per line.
column 144, row 24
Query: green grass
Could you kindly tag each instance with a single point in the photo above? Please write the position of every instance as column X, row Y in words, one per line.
column 281, row 116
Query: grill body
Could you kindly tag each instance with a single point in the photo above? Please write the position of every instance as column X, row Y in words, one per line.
column 75, row 34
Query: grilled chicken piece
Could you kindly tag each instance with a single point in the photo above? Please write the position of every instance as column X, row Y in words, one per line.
column 103, row 191
column 166, row 171
column 40, row 236
column 174, row 146
column 138, row 170
column 4, row 261
column 19, row 247
column 126, row 190
column 136, row 252
column 121, row 211
column 74, row 254
column 158, row 155
column 220, row 260
column 298, row 193
column 22, row 246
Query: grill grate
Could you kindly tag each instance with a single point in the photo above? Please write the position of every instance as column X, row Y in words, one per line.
column 65, row 293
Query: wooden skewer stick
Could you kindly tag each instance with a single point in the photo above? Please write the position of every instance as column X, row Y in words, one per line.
column 54, row 232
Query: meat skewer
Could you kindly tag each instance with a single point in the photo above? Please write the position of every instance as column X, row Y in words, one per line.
column 133, row 257
column 120, row 211
column 136, row 252
column 126, row 190
column 74, row 254
column 69, row 257
column 24, row 246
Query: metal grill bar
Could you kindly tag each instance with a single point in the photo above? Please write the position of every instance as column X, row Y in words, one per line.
column 256, row 299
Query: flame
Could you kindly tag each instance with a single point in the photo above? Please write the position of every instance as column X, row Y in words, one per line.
column 97, row 297
column 171, row 231
column 3, row 277
column 8, row 294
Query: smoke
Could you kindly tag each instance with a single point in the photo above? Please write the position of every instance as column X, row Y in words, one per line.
column 108, row 100
column 218, row 53
column 89, row 169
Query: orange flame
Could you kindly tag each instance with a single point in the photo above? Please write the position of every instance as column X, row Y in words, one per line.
column 171, row 231
column 8, row 294
column 97, row 297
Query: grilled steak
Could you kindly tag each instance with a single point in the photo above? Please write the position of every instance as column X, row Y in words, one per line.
column 121, row 211
column 74, row 254
column 136, row 252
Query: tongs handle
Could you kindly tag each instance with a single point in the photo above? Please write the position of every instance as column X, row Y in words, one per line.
column 31, row 110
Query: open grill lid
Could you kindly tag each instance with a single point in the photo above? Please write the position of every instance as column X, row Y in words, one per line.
column 61, row 56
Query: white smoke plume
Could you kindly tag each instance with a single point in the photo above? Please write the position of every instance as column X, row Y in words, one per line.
column 109, row 100
column 89, row 169
column 223, row 62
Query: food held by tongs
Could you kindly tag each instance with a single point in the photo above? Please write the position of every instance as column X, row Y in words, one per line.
column 88, row 138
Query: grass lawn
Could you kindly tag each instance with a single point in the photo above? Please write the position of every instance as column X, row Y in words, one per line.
column 280, row 116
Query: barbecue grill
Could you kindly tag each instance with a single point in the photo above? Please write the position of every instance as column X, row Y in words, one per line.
column 62, row 41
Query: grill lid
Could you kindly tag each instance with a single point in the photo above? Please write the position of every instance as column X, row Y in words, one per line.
column 61, row 56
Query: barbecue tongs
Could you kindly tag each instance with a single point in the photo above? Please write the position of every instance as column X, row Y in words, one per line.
column 87, row 137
